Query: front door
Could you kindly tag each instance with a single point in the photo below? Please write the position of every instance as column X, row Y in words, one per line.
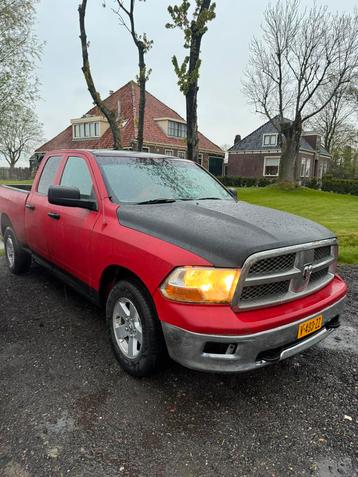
column 70, row 234
column 216, row 165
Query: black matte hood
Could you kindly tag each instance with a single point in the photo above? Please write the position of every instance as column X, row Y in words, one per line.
column 223, row 232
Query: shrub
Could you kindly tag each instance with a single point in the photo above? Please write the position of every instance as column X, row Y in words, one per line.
column 312, row 183
column 237, row 181
column 341, row 186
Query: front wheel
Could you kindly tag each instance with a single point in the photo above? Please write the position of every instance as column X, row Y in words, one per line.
column 17, row 259
column 134, row 329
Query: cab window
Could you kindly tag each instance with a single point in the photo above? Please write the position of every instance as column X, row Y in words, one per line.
column 76, row 174
column 48, row 174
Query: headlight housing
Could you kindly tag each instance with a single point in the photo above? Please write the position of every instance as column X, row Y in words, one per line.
column 201, row 285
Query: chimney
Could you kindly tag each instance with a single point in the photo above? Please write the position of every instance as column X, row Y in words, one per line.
column 237, row 138
column 110, row 92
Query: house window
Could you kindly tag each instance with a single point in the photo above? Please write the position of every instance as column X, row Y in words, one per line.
column 85, row 130
column 271, row 166
column 176, row 129
column 181, row 154
column 145, row 149
column 270, row 139
column 305, row 167
column 169, row 152
column 200, row 156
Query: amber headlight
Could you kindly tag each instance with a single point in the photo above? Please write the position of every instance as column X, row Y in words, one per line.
column 201, row 285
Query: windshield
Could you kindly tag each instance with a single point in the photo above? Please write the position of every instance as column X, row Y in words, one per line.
column 143, row 180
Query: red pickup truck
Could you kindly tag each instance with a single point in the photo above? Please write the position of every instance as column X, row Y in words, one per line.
column 180, row 265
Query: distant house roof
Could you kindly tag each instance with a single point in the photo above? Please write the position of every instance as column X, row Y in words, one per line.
column 128, row 99
column 254, row 141
column 323, row 151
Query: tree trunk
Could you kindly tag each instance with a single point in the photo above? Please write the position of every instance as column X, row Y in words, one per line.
column 289, row 163
column 109, row 115
column 142, row 82
column 12, row 167
column 192, row 124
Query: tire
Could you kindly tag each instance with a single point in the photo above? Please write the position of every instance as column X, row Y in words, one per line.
column 17, row 259
column 134, row 329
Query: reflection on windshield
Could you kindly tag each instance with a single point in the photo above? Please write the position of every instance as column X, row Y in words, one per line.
column 150, row 180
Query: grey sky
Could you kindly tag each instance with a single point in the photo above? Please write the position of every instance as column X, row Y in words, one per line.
column 223, row 110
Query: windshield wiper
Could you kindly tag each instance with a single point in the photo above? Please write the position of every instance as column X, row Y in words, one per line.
column 156, row 201
column 209, row 198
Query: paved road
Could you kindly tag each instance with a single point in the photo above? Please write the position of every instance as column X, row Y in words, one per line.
column 66, row 408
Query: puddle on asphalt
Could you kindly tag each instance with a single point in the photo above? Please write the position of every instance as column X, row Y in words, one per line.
column 345, row 339
column 335, row 467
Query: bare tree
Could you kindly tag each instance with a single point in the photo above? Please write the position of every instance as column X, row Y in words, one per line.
column 188, row 71
column 143, row 44
column 302, row 54
column 335, row 122
column 111, row 116
column 19, row 135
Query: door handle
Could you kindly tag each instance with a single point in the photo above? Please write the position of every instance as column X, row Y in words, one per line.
column 54, row 216
column 30, row 206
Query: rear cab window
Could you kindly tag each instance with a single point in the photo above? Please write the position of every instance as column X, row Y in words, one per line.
column 48, row 174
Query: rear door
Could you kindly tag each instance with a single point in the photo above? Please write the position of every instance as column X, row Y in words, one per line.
column 37, row 207
column 70, row 230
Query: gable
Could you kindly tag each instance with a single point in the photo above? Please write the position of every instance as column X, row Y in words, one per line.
column 126, row 102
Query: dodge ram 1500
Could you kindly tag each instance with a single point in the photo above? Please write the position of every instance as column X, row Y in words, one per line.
column 181, row 266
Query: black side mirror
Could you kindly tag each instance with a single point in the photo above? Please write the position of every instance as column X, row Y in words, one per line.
column 232, row 191
column 70, row 197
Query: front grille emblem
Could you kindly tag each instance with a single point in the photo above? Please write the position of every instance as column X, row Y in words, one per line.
column 306, row 274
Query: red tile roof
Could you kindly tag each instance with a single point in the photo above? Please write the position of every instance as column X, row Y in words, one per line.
column 128, row 99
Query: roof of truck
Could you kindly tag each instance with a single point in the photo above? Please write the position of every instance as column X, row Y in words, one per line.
column 119, row 153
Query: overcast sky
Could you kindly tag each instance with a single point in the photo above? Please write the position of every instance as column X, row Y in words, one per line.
column 223, row 109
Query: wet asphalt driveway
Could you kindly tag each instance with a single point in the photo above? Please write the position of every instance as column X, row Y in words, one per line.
column 66, row 408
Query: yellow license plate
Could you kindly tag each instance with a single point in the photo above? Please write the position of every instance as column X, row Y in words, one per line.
column 310, row 326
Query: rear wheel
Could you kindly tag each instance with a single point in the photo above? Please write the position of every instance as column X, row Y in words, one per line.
column 134, row 329
column 17, row 259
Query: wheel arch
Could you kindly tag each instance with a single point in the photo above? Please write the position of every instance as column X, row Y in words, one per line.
column 5, row 222
column 112, row 275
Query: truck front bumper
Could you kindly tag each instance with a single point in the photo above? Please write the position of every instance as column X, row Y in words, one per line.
column 223, row 353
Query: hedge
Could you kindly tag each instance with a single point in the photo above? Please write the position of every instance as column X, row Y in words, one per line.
column 237, row 181
column 340, row 186
column 312, row 183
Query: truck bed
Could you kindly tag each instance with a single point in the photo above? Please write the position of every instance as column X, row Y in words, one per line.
column 20, row 187
column 12, row 205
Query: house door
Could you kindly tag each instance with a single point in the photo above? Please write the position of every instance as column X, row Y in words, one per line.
column 216, row 165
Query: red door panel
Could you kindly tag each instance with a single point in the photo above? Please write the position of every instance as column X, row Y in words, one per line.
column 37, row 207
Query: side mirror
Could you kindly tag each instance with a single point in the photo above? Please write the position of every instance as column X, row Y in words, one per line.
column 70, row 197
column 232, row 191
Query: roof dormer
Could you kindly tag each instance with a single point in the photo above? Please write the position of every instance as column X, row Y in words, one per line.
column 88, row 127
column 172, row 127
column 270, row 139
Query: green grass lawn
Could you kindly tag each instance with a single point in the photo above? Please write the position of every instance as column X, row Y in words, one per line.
column 2, row 181
column 338, row 212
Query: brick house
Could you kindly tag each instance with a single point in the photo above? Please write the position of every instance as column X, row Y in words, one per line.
column 258, row 155
column 164, row 130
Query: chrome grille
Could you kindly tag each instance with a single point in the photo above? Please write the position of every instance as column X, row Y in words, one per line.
column 277, row 276
column 273, row 264
column 322, row 252
column 269, row 289
column 319, row 275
